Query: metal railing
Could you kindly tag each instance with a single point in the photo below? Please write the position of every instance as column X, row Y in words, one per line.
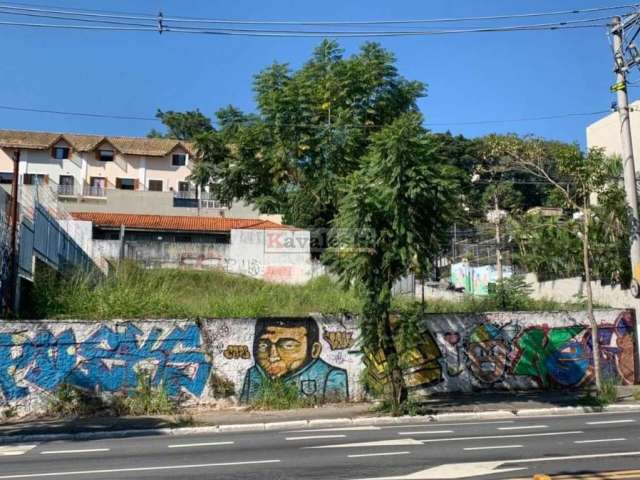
column 92, row 191
column 67, row 190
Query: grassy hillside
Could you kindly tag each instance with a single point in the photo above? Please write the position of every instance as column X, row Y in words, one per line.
column 133, row 292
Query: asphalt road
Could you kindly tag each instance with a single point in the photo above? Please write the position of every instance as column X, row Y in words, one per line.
column 579, row 446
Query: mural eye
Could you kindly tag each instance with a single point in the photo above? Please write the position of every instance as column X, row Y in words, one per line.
column 263, row 346
column 289, row 345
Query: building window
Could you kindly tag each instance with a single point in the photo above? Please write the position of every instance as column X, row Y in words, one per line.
column 183, row 186
column 178, row 160
column 105, row 155
column 6, row 177
column 35, row 179
column 155, row 185
column 126, row 183
column 66, row 185
column 61, row 153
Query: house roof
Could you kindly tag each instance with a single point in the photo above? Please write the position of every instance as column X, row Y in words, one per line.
column 155, row 147
column 176, row 223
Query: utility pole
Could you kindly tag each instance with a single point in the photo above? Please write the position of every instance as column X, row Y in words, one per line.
column 621, row 67
column 498, row 241
column 13, row 271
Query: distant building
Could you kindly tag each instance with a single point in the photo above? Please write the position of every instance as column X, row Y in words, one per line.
column 605, row 133
column 99, row 173
column 258, row 248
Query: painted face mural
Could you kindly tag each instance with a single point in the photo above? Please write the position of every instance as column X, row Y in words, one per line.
column 289, row 349
column 487, row 353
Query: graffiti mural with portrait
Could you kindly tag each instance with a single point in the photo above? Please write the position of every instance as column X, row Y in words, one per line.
column 290, row 349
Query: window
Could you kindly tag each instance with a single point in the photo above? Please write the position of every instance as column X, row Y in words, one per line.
column 35, row 179
column 65, row 185
column 6, row 177
column 179, row 159
column 105, row 155
column 155, row 185
column 66, row 180
column 98, row 182
column 61, row 153
column 126, row 183
column 183, row 186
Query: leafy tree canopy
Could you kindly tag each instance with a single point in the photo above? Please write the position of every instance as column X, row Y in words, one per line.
column 182, row 125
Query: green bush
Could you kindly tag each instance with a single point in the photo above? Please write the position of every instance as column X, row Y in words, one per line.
column 145, row 399
column 607, row 396
column 276, row 394
column 68, row 400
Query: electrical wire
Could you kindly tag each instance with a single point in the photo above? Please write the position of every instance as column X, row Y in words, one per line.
column 184, row 19
column 300, row 125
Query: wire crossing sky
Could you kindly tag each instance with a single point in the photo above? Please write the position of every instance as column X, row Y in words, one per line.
column 530, row 68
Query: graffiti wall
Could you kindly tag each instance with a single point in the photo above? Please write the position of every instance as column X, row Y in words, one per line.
column 312, row 354
column 318, row 356
column 520, row 351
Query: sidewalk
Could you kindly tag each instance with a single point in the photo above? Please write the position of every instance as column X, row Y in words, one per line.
column 440, row 408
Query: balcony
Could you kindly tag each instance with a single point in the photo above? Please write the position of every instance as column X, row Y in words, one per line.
column 202, row 200
column 94, row 192
column 66, row 190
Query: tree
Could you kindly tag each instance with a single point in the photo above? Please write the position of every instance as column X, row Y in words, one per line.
column 393, row 216
column 576, row 176
column 182, row 125
column 312, row 129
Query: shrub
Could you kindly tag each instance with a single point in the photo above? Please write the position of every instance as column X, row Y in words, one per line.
column 607, row 396
column 221, row 387
column 276, row 394
column 69, row 400
column 145, row 399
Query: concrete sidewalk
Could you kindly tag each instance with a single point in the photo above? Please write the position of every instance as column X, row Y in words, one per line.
column 436, row 408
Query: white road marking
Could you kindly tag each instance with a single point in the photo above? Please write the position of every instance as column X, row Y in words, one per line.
column 424, row 432
column 494, row 447
column 381, row 443
column 11, row 450
column 313, row 437
column 87, row 450
column 358, row 455
column 524, row 427
column 484, row 469
column 343, row 429
column 134, row 469
column 602, row 440
column 607, row 422
column 208, row 444
column 438, row 424
column 492, row 437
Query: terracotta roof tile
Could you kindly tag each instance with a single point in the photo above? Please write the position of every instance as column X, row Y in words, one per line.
column 155, row 147
column 176, row 223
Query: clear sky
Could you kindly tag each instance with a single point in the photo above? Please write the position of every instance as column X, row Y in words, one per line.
column 470, row 77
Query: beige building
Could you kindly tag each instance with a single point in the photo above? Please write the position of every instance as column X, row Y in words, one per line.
column 95, row 173
column 605, row 133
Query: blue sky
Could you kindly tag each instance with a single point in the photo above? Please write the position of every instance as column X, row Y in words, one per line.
column 470, row 77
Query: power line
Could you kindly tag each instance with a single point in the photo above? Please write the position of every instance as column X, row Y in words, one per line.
column 301, row 125
column 185, row 19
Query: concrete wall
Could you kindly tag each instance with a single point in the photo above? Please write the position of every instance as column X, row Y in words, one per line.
column 275, row 255
column 176, row 255
column 521, row 351
column 188, row 359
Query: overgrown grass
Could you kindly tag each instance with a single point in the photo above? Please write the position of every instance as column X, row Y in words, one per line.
column 145, row 399
column 135, row 292
column 607, row 396
column 276, row 394
column 636, row 395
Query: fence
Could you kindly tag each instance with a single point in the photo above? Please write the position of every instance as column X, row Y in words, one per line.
column 45, row 239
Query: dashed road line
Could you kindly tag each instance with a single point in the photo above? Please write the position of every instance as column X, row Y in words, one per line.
column 609, row 422
column 12, row 450
column 381, row 454
column 313, row 437
column 85, row 450
column 495, row 447
column 524, row 427
column 205, row 444
column 426, row 432
column 602, row 440
column 339, row 429
column 495, row 437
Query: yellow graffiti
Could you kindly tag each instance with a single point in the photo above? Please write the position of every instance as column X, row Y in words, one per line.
column 237, row 352
column 339, row 340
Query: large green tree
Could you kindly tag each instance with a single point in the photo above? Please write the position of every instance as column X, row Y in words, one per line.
column 312, row 129
column 182, row 125
column 393, row 216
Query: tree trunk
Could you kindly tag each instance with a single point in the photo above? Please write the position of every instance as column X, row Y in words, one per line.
column 586, row 215
column 394, row 371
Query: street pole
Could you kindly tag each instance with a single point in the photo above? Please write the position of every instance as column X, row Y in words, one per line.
column 498, row 240
column 627, row 152
column 13, row 272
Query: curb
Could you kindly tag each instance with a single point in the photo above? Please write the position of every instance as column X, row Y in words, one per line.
column 320, row 423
